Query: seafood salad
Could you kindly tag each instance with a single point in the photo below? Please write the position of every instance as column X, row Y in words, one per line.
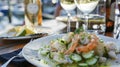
column 78, row 50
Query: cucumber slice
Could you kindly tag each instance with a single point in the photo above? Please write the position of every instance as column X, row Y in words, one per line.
column 59, row 65
column 91, row 61
column 61, row 41
column 44, row 52
column 83, row 64
column 51, row 54
column 76, row 57
column 88, row 54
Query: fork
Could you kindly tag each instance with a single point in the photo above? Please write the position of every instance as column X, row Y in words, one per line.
column 6, row 63
column 18, row 55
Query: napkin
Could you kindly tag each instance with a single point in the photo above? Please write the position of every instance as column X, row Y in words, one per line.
column 7, row 56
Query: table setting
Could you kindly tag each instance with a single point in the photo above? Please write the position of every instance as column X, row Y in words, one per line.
column 65, row 41
column 21, row 32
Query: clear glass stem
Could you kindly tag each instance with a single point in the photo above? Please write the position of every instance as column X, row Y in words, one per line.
column 77, row 24
column 68, row 22
column 86, row 22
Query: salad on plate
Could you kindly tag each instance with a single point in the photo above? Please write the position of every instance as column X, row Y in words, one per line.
column 78, row 50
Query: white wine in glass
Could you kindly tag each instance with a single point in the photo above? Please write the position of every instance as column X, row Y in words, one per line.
column 68, row 5
column 86, row 7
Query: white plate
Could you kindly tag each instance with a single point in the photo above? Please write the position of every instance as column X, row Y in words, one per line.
column 64, row 18
column 31, row 55
column 48, row 26
column 92, row 17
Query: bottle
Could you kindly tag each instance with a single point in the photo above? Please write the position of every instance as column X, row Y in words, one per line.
column 9, row 12
column 33, row 12
column 110, row 15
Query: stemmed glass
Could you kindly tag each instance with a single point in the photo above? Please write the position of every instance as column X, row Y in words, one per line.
column 68, row 5
column 117, row 19
column 86, row 7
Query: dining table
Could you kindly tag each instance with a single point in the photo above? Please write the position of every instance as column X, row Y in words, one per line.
column 10, row 46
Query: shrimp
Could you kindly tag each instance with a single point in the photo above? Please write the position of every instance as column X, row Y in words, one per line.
column 89, row 46
column 74, row 44
column 82, row 49
column 95, row 38
column 71, row 49
column 92, row 44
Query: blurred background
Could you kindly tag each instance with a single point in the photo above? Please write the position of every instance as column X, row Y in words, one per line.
column 12, row 11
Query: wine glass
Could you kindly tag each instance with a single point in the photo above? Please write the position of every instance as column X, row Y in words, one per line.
column 86, row 7
column 68, row 5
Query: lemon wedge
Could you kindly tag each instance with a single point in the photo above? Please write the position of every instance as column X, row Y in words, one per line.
column 17, row 28
column 20, row 31
column 29, row 31
column 23, row 30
